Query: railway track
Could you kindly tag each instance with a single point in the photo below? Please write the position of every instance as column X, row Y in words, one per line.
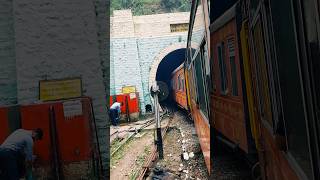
column 132, row 131
column 153, row 156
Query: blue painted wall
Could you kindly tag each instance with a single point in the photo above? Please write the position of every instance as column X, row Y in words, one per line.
column 131, row 60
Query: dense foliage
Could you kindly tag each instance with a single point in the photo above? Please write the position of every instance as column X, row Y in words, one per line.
column 145, row 7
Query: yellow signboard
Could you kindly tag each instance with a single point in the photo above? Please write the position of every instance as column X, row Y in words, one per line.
column 179, row 27
column 128, row 89
column 59, row 89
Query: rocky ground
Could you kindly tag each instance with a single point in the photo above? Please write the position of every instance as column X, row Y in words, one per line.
column 228, row 165
column 181, row 139
column 127, row 162
column 183, row 158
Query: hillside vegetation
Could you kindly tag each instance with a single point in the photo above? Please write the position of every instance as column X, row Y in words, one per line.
column 145, row 7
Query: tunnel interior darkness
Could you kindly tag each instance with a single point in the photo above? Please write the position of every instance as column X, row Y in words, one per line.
column 167, row 65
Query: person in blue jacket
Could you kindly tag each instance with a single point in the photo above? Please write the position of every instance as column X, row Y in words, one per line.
column 115, row 111
column 16, row 153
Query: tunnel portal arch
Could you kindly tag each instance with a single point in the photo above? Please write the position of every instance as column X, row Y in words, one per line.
column 161, row 55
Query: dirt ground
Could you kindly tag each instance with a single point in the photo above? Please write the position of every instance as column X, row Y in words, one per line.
column 229, row 166
column 126, row 163
column 181, row 137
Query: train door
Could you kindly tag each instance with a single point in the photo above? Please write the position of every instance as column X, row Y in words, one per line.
column 262, row 84
column 261, row 66
column 201, row 80
column 206, row 75
column 308, row 37
column 263, row 88
column 280, row 93
column 248, row 80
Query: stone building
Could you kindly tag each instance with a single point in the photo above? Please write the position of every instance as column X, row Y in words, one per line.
column 139, row 44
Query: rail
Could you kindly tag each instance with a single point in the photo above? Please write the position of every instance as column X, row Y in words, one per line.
column 148, row 123
column 152, row 156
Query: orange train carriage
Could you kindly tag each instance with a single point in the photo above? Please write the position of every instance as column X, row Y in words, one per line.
column 279, row 52
column 261, row 90
column 196, row 72
column 179, row 87
column 228, row 96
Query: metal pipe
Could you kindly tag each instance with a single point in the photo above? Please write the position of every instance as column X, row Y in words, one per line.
column 93, row 118
column 53, row 138
column 152, row 156
column 127, row 109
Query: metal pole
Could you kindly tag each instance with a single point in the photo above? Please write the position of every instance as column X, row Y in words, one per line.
column 93, row 118
column 54, row 143
column 127, row 109
column 158, row 123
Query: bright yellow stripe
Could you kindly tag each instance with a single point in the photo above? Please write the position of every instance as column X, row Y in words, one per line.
column 248, row 80
column 187, row 87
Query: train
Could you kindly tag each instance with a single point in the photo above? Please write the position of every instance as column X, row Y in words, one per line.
column 251, row 81
column 178, row 87
column 189, row 88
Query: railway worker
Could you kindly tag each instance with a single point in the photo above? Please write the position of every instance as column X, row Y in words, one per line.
column 115, row 111
column 16, row 153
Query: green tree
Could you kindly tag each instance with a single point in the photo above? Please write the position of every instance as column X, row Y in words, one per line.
column 145, row 7
column 176, row 6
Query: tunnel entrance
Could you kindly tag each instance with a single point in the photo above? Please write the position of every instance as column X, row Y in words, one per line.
column 167, row 65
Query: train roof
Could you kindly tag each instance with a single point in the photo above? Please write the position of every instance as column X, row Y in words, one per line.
column 224, row 18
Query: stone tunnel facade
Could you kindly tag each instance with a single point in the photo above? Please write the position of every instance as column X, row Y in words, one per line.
column 138, row 44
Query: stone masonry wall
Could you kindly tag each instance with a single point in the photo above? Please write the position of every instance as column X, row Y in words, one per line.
column 103, row 37
column 149, row 48
column 8, row 79
column 126, row 66
column 56, row 40
column 158, row 24
column 135, row 43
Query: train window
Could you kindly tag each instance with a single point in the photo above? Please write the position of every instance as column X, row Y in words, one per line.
column 191, row 83
column 291, row 84
column 199, row 26
column 178, row 82
column 212, row 75
column 253, row 6
column 223, row 69
column 233, row 66
column 262, row 75
column 182, row 83
column 209, row 3
column 206, row 67
column 191, row 53
column 194, row 82
column 206, row 64
column 312, row 29
column 275, row 94
column 201, row 91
